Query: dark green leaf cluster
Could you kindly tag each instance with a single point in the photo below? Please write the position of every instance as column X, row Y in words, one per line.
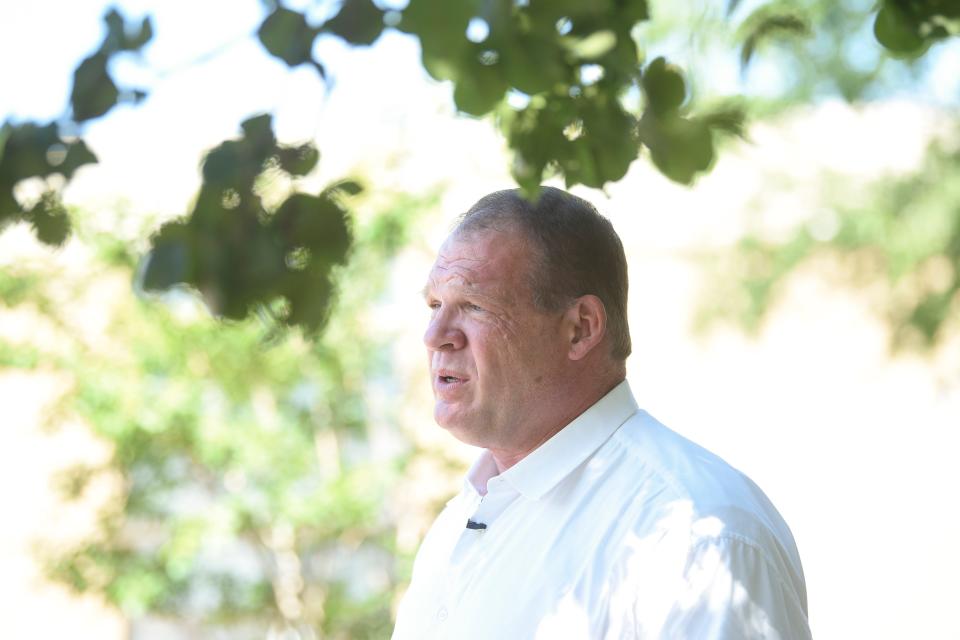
column 240, row 256
column 680, row 146
column 30, row 150
column 94, row 91
column 287, row 34
column 909, row 27
column 571, row 62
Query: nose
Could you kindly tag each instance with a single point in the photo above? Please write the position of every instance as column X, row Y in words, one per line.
column 442, row 333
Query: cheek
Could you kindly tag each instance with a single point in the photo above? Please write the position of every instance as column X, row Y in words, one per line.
column 519, row 352
column 507, row 335
column 544, row 348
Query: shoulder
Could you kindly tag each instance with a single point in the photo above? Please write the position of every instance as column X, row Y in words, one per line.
column 707, row 529
column 714, row 496
column 690, row 498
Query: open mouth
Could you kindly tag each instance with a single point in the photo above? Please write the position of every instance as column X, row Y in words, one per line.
column 445, row 377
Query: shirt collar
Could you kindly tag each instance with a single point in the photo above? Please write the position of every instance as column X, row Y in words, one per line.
column 552, row 461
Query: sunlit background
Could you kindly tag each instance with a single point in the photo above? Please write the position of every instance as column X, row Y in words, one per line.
column 276, row 487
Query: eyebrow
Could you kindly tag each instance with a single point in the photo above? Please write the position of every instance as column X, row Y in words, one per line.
column 469, row 286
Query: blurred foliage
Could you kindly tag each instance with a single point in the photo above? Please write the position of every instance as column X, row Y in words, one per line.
column 905, row 28
column 241, row 257
column 569, row 63
column 566, row 80
column 830, row 48
column 248, row 487
column 31, row 150
column 791, row 52
column 901, row 233
column 909, row 27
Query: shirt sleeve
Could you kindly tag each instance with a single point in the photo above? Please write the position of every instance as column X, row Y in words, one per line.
column 732, row 589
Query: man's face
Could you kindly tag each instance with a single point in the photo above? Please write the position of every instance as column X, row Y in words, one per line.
column 492, row 353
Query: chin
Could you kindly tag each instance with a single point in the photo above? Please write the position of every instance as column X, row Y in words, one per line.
column 444, row 417
column 457, row 426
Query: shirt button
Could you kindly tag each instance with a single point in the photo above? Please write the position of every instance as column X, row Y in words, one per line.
column 442, row 614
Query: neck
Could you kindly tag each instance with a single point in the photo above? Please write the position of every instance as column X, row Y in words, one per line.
column 571, row 401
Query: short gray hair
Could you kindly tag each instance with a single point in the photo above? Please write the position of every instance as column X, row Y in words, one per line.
column 579, row 252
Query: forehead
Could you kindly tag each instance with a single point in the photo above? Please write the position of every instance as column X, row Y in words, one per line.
column 486, row 259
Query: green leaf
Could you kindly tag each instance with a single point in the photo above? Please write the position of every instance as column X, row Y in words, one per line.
column 241, row 257
column 258, row 132
column 50, row 220
column 285, row 34
column 349, row 187
column 606, row 147
column 231, row 165
column 94, row 92
column 632, row 11
column 25, row 153
column 168, row 262
column 4, row 136
column 536, row 137
column 314, row 229
column 358, row 22
column 29, row 150
column 769, row 23
column 610, row 132
column 235, row 164
column 78, row 154
column 664, row 86
column 725, row 118
column 310, row 299
column 314, row 222
column 142, row 36
column 534, row 64
column 680, row 147
column 298, row 161
column 115, row 35
column 896, row 33
column 441, row 26
column 120, row 38
column 10, row 210
column 479, row 90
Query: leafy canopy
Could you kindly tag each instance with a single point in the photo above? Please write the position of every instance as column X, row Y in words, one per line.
column 565, row 80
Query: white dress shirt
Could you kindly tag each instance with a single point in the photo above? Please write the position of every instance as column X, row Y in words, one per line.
column 616, row 527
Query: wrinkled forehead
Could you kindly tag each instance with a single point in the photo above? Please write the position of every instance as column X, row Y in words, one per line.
column 485, row 258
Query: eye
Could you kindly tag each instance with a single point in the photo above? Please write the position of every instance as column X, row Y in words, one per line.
column 433, row 304
column 473, row 307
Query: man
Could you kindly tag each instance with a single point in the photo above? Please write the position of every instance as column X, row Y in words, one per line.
column 583, row 517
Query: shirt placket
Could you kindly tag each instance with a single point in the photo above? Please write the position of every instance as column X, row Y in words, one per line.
column 472, row 550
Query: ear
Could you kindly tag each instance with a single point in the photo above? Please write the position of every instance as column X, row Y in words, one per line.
column 586, row 324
